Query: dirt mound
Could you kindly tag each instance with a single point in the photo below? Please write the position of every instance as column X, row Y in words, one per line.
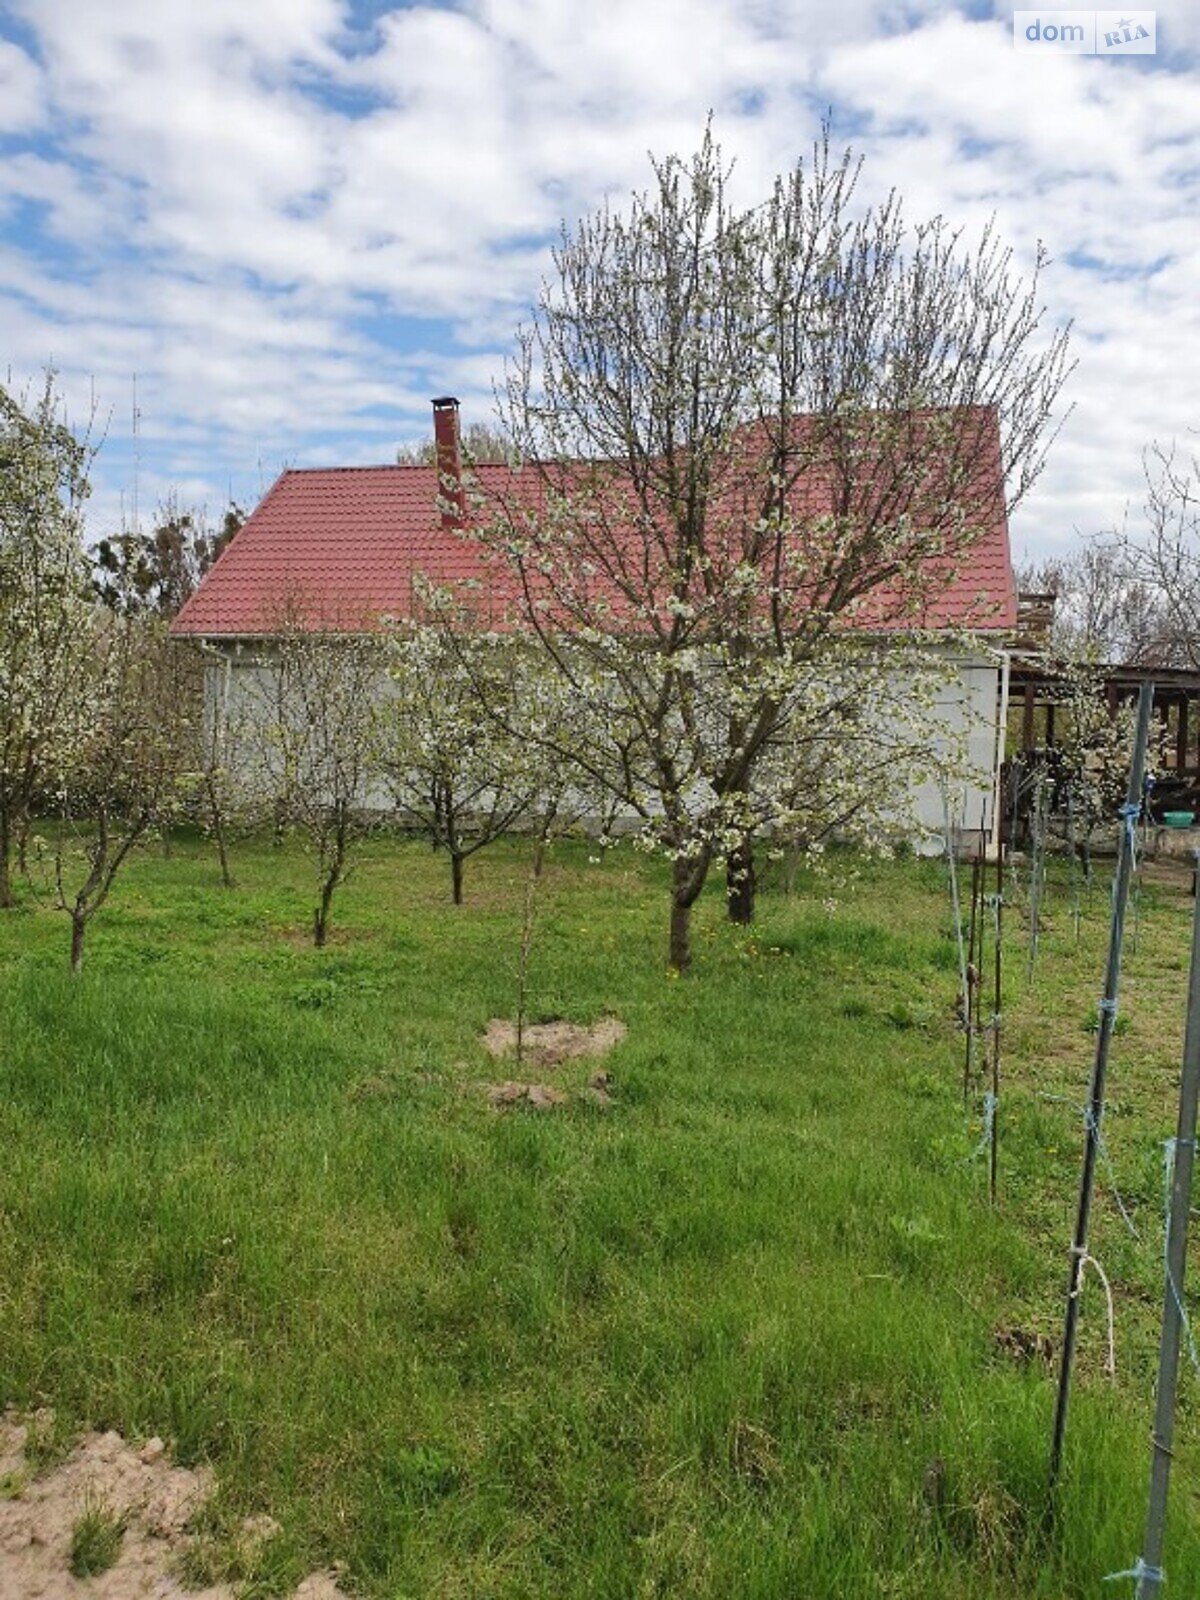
column 547, row 1044
column 545, row 1097
column 541, row 1096
column 133, row 1503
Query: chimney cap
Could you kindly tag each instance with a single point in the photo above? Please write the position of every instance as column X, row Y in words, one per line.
column 445, row 400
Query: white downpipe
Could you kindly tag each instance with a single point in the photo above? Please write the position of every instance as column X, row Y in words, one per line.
column 1001, row 740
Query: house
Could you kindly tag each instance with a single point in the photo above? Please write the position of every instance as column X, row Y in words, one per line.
column 358, row 542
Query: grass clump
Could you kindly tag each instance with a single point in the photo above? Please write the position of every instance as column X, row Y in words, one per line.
column 95, row 1540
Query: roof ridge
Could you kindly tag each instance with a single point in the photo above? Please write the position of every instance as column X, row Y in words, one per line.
column 366, row 466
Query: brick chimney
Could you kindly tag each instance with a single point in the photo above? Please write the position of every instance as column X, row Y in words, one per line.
column 449, row 461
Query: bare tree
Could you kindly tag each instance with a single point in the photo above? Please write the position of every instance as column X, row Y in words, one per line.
column 1104, row 610
column 1163, row 555
column 746, row 433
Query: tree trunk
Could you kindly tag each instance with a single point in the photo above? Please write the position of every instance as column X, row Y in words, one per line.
column 741, row 882
column 218, row 828
column 680, row 956
column 78, row 933
column 6, row 894
column 321, row 915
column 456, row 877
column 687, row 881
column 549, row 818
column 217, row 824
column 334, row 873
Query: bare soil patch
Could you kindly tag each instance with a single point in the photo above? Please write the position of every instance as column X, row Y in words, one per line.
column 135, row 1487
column 549, row 1044
column 545, row 1097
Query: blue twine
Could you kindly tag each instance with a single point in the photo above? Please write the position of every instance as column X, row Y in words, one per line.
column 1130, row 815
column 989, row 1122
column 1139, row 1570
column 1093, row 1127
column 1107, row 1008
column 1169, row 1146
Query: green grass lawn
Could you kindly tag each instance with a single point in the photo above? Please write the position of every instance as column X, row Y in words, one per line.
column 734, row 1336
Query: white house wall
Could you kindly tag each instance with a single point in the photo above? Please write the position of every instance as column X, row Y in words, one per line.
column 963, row 723
column 970, row 707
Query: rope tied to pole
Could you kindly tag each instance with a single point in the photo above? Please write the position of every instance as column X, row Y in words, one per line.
column 1083, row 1260
column 1169, row 1148
column 1107, row 1007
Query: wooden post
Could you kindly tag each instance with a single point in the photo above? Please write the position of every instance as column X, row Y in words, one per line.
column 1027, row 719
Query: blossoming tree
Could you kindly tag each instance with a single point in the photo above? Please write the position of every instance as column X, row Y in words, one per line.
column 44, row 606
column 308, row 721
column 126, row 768
column 750, row 436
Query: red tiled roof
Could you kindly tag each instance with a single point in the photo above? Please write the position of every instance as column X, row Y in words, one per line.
column 349, row 543
column 347, row 540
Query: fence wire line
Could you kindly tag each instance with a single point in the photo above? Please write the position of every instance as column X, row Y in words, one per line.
column 1093, row 1127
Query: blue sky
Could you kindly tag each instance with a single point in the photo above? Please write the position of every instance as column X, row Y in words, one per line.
column 294, row 221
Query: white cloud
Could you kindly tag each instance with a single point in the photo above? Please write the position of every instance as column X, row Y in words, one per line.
column 21, row 102
column 294, row 235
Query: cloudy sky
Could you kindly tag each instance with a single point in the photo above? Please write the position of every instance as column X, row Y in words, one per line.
column 293, row 221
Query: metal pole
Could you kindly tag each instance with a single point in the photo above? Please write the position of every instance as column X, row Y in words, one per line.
column 972, row 983
column 1001, row 744
column 1037, row 871
column 1073, row 846
column 954, row 901
column 997, row 994
column 1150, row 1575
column 1108, row 1013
